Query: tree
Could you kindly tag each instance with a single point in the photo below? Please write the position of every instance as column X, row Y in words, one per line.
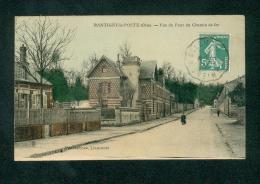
column 61, row 90
column 207, row 93
column 169, row 71
column 79, row 91
column 87, row 65
column 71, row 76
column 125, row 50
column 46, row 42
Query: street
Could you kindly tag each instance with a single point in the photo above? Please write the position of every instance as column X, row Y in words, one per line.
column 199, row 138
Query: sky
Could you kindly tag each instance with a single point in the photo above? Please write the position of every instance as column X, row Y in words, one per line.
column 161, row 38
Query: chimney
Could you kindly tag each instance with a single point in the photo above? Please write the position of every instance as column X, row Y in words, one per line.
column 23, row 54
column 23, row 59
column 118, row 60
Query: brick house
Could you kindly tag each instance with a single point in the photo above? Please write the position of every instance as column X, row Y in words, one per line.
column 27, row 89
column 130, row 83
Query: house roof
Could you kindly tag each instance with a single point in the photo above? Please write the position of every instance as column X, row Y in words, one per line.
column 30, row 79
column 147, row 69
column 110, row 62
column 230, row 86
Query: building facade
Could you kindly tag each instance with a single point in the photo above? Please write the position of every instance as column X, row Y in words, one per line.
column 224, row 102
column 130, row 83
column 27, row 90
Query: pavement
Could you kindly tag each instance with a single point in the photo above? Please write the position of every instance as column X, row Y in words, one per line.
column 233, row 133
column 35, row 149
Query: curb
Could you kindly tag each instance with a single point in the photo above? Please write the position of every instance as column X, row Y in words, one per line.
column 66, row 148
column 225, row 141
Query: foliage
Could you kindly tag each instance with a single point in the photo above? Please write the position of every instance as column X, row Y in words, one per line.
column 187, row 92
column 207, row 93
column 238, row 95
column 61, row 90
column 79, row 91
column 184, row 92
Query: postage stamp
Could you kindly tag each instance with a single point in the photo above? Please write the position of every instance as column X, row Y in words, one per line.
column 207, row 57
column 214, row 52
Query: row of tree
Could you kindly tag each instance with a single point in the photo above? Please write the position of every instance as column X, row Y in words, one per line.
column 186, row 91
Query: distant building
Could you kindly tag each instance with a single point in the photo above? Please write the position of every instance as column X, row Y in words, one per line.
column 130, row 83
column 27, row 90
column 224, row 102
column 215, row 103
column 196, row 103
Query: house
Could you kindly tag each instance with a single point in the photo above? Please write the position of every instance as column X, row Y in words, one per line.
column 129, row 83
column 27, row 90
column 225, row 102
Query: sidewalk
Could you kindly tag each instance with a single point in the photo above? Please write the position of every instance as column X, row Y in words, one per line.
column 27, row 150
column 233, row 134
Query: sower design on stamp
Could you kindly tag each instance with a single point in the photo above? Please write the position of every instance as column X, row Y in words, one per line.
column 207, row 57
column 214, row 52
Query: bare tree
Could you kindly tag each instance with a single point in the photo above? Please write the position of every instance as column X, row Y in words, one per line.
column 125, row 50
column 71, row 76
column 46, row 42
column 169, row 71
column 87, row 65
column 127, row 93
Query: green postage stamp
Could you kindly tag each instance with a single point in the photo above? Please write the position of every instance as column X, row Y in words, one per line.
column 214, row 54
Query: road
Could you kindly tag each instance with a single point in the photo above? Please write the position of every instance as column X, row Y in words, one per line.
column 199, row 138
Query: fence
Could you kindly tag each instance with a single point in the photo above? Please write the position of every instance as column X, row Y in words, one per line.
column 180, row 107
column 119, row 117
column 40, row 123
column 40, row 116
column 107, row 113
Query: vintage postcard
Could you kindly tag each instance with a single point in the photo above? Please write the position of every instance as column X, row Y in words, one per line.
column 129, row 87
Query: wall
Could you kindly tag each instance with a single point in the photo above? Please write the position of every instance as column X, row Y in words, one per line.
column 42, row 123
column 154, row 100
column 180, row 107
column 109, row 76
column 112, row 96
column 241, row 115
column 123, row 116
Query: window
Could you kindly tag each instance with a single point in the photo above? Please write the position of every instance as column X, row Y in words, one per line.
column 153, row 105
column 104, row 69
column 108, row 87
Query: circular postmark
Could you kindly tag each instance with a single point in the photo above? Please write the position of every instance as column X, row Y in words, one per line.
column 207, row 57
